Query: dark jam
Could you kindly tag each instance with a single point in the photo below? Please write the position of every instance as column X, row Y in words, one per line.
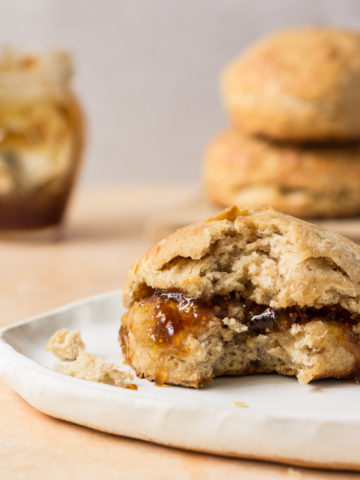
column 261, row 319
column 176, row 314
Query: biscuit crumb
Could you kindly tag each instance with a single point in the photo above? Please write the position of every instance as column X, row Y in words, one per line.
column 292, row 472
column 240, row 404
column 235, row 325
column 93, row 368
column 65, row 345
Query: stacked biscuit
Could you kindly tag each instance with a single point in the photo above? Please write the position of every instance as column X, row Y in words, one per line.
column 294, row 104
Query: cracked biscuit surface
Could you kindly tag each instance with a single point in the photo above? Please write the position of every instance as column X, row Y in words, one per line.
column 299, row 84
column 244, row 292
column 306, row 181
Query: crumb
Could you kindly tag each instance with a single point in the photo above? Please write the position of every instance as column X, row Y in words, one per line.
column 294, row 473
column 235, row 325
column 65, row 345
column 93, row 368
column 240, row 404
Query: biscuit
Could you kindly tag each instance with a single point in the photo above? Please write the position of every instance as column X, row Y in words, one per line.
column 303, row 181
column 299, row 85
column 242, row 293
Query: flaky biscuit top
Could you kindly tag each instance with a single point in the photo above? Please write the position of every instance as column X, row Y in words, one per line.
column 270, row 258
column 299, row 84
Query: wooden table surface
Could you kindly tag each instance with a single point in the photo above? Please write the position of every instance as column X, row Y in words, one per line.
column 104, row 234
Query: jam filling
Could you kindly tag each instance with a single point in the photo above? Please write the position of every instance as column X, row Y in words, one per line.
column 176, row 314
column 171, row 316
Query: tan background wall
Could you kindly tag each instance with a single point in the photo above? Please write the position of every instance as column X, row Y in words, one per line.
column 148, row 69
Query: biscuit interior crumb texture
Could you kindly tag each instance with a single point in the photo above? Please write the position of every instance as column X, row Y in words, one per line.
column 93, row 368
column 65, row 345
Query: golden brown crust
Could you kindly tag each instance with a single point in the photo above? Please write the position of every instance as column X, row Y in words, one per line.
column 273, row 258
column 299, row 84
column 303, row 181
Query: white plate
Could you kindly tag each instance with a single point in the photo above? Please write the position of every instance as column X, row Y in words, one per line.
column 317, row 424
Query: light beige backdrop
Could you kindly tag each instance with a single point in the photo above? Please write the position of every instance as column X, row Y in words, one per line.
column 148, row 70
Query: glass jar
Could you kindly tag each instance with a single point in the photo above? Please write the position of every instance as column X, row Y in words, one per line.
column 41, row 139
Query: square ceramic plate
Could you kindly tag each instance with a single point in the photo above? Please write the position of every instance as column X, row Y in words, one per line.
column 316, row 424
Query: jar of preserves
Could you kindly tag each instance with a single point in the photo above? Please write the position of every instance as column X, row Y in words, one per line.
column 41, row 139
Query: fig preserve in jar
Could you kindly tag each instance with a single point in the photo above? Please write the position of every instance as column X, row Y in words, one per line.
column 41, row 138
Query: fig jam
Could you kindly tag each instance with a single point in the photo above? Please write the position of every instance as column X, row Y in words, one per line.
column 176, row 314
column 172, row 318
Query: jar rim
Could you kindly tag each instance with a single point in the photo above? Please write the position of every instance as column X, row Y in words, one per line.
column 32, row 66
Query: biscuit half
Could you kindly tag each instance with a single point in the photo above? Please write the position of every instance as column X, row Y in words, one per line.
column 305, row 181
column 299, row 85
column 244, row 293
